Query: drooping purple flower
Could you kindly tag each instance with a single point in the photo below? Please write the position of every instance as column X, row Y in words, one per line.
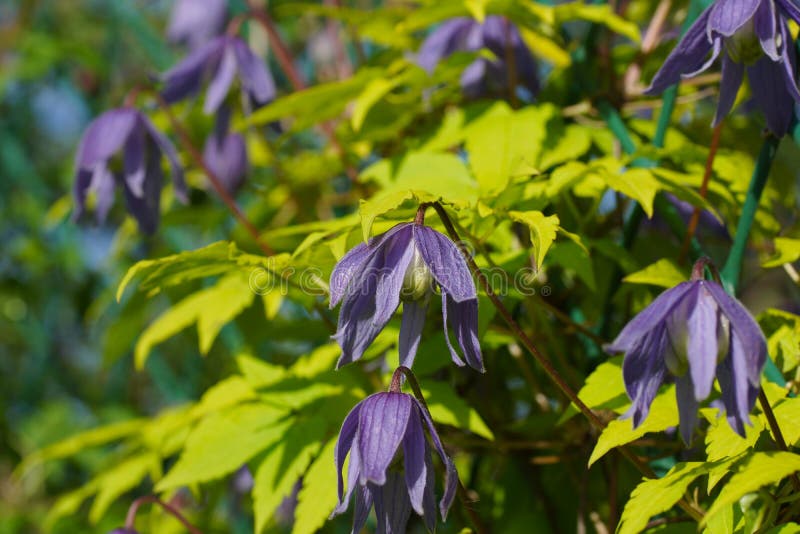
column 195, row 22
column 225, row 153
column 373, row 432
column 692, row 333
column 402, row 264
column 751, row 35
column 219, row 61
column 498, row 35
column 127, row 131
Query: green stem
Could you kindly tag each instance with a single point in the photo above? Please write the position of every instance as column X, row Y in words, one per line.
column 732, row 270
column 616, row 125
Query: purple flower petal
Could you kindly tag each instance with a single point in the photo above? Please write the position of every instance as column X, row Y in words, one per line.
column 648, row 318
column 443, row 41
column 453, row 353
column 789, row 62
column 146, row 209
column 429, row 499
column 727, row 16
column 103, row 186
column 745, row 330
column 134, row 161
column 362, row 508
column 105, row 136
column 765, row 26
column 732, row 74
column 351, row 266
column 398, row 252
column 643, row 371
column 186, row 78
column 687, row 56
column 256, row 78
column 687, row 406
column 464, row 318
column 225, row 154
column 792, row 8
column 196, row 21
column 414, row 447
column 451, row 475
column 382, row 424
column 344, row 444
column 702, row 346
column 472, row 78
column 768, row 84
column 353, row 471
column 345, row 269
column 392, row 507
column 223, row 78
column 445, row 262
column 168, row 149
column 411, row 330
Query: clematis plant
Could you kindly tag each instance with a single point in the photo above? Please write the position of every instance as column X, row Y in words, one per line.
column 139, row 174
column 403, row 264
column 752, row 36
column 498, row 35
column 372, row 433
column 219, row 60
column 693, row 333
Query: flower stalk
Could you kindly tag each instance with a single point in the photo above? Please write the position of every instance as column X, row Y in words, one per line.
column 216, row 183
column 551, row 372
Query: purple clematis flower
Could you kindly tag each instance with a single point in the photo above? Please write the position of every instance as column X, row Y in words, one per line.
column 497, row 35
column 403, row 263
column 692, row 333
column 128, row 130
column 372, row 432
column 220, row 59
column 195, row 22
column 226, row 153
column 751, row 35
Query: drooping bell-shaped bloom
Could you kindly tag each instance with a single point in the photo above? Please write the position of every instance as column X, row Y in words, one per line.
column 219, row 61
column 693, row 333
column 497, row 35
column 373, row 433
column 138, row 172
column 195, row 22
column 225, row 153
column 752, row 36
column 402, row 264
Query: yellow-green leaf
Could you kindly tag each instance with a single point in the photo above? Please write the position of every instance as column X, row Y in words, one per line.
column 639, row 184
column 224, row 441
column 317, row 497
column 787, row 250
column 448, row 408
column 543, row 230
column 757, row 470
column 655, row 496
column 663, row 414
column 663, row 273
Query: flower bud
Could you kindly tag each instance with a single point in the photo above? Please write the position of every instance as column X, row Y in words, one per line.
column 418, row 280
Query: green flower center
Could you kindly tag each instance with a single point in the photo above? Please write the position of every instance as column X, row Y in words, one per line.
column 744, row 46
column 418, row 279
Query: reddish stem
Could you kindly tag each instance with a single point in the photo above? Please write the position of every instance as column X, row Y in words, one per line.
column 692, row 227
column 198, row 160
column 278, row 47
column 130, row 519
